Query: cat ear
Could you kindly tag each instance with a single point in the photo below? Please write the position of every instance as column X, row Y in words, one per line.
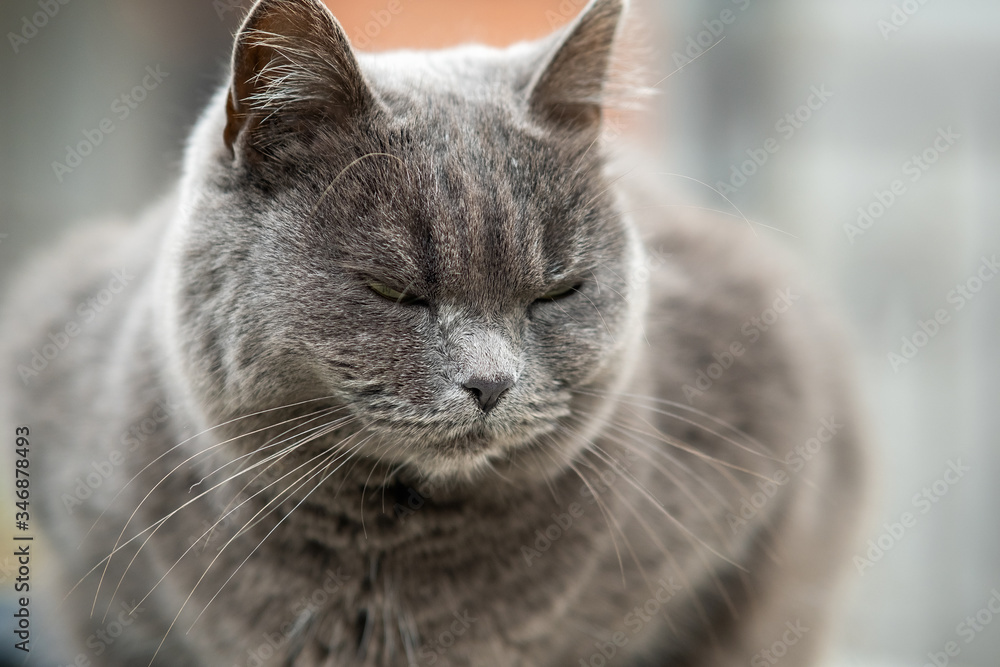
column 292, row 64
column 568, row 91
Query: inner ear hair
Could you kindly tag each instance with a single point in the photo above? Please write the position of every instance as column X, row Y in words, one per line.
column 292, row 60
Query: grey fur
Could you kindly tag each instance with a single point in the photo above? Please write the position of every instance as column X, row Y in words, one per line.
column 472, row 179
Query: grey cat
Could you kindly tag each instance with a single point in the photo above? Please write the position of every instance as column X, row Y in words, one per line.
column 407, row 372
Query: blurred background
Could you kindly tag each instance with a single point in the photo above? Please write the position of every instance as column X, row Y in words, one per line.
column 863, row 135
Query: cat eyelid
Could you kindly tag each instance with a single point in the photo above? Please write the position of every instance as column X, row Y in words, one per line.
column 561, row 291
column 401, row 297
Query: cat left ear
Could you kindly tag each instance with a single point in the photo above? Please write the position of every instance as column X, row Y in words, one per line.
column 292, row 62
column 568, row 91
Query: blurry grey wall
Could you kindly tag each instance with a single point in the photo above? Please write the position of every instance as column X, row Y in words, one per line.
column 795, row 113
column 66, row 67
column 898, row 77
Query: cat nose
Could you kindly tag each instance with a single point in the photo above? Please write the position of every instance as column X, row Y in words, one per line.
column 487, row 391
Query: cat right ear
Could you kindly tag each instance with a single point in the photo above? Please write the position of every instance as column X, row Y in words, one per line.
column 568, row 91
column 293, row 68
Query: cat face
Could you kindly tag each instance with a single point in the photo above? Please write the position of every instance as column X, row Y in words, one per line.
column 431, row 240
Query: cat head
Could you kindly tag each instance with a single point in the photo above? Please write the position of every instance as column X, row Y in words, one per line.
column 431, row 238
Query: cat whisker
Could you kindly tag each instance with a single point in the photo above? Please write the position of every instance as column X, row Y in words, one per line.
column 723, row 468
column 119, row 545
column 765, row 521
column 160, row 524
column 207, row 532
column 354, row 465
column 727, row 199
column 579, row 160
column 193, row 437
column 707, row 209
column 620, row 398
column 600, row 314
column 638, row 563
column 343, row 171
column 364, row 489
column 205, row 573
column 565, row 312
column 646, row 493
column 642, row 570
column 272, row 442
column 338, row 449
column 187, row 440
column 677, row 444
column 671, row 559
column 408, row 636
column 536, row 454
column 606, row 267
column 647, row 449
column 150, row 493
column 598, row 283
column 279, row 455
column 676, row 71
column 701, row 413
column 326, row 476
column 692, row 539
column 609, row 186
column 635, row 447
column 283, row 495
column 608, row 518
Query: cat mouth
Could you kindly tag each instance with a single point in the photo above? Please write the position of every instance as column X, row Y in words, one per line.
column 478, row 438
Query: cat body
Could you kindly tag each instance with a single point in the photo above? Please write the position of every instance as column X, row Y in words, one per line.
column 406, row 371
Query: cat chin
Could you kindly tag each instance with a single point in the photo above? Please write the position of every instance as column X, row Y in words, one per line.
column 463, row 456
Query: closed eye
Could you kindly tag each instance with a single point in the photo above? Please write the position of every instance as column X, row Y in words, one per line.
column 560, row 292
column 399, row 296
